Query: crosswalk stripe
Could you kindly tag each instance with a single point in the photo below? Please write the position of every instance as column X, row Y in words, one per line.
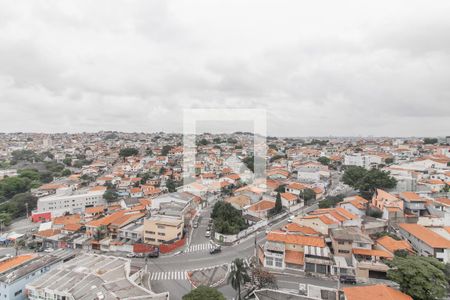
column 168, row 275
column 199, row 247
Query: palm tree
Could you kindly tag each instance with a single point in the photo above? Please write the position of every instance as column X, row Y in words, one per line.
column 238, row 275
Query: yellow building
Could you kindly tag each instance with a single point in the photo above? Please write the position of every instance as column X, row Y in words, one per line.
column 165, row 229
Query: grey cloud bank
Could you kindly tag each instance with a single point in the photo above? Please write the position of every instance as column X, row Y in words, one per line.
column 319, row 68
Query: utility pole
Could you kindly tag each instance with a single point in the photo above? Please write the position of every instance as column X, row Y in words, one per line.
column 26, row 207
column 256, row 251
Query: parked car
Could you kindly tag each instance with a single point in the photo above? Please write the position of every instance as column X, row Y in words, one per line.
column 215, row 250
column 140, row 255
column 348, row 279
column 131, row 255
column 49, row 250
column 195, row 225
column 208, row 233
column 290, row 219
column 153, row 254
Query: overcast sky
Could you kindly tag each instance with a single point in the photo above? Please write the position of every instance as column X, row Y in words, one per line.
column 318, row 67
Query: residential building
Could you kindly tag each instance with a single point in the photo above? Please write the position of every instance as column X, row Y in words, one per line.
column 91, row 276
column 163, row 229
column 67, row 201
column 16, row 272
column 426, row 242
column 355, row 204
column 379, row 292
column 413, row 203
column 293, row 251
column 344, row 240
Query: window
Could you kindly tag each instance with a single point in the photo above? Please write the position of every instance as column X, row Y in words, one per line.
column 341, row 242
column 161, row 226
column 161, row 233
column 278, row 262
column 269, row 261
column 343, row 251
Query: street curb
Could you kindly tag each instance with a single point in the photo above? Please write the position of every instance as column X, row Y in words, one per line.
column 189, row 274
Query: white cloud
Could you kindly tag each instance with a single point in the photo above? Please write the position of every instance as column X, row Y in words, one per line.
column 320, row 68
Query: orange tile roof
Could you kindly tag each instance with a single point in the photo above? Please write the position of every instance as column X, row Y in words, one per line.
column 293, row 227
column 372, row 252
column 283, row 237
column 385, row 195
column 326, row 220
column 51, row 186
column 65, row 220
column 15, row 262
column 289, row 196
column 379, row 292
column 94, row 210
column 426, row 235
column 294, row 257
column 135, row 190
column 393, row 245
column 262, row 205
column 126, row 218
column 411, row 196
column 98, row 188
column 106, row 220
column 72, row 227
column 48, row 232
column 442, row 200
column 240, row 200
column 297, row 186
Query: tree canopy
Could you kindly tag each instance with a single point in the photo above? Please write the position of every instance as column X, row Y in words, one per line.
column 238, row 275
column 422, row 278
column 204, row 293
column 368, row 180
column 324, row 160
column 110, row 195
column 430, row 140
column 227, row 219
column 278, row 206
column 125, row 152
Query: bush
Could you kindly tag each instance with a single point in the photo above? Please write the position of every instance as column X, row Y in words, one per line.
column 227, row 219
column 125, row 152
column 331, row 201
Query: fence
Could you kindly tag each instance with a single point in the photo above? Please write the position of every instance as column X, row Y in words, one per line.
column 231, row 238
column 166, row 248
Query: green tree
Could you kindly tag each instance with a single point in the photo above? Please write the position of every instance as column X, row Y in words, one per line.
column 308, row 195
column 227, row 219
column 5, row 219
column 278, row 206
column 389, row 160
column 11, row 186
column 110, row 195
column 125, row 152
column 238, row 275
column 367, row 181
column 430, row 140
column 204, row 293
column 324, row 160
column 67, row 161
column 171, row 186
column 165, row 150
column 422, row 278
column 446, row 188
column 331, row 201
column 66, row 172
column 203, row 142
